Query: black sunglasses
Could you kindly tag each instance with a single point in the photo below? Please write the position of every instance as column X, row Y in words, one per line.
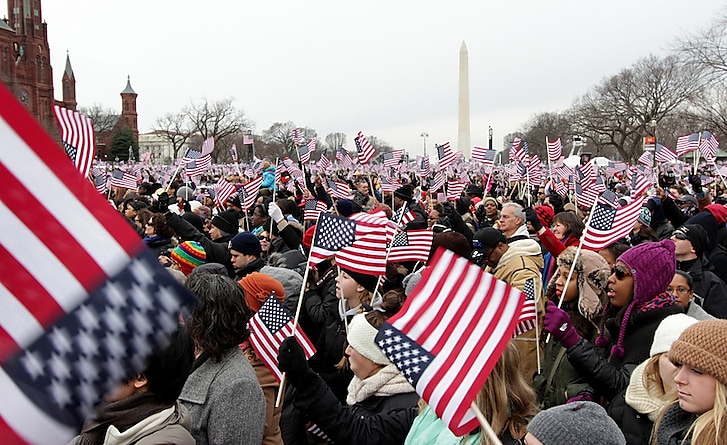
column 620, row 272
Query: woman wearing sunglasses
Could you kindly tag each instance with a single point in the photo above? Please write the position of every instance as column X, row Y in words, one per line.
column 637, row 303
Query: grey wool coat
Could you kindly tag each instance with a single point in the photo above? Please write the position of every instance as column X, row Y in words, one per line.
column 225, row 401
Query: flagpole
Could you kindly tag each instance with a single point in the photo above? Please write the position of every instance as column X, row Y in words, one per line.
column 485, row 424
column 696, row 155
column 173, row 176
column 550, row 163
column 274, row 187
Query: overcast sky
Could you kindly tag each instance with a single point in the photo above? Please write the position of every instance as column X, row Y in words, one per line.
column 387, row 68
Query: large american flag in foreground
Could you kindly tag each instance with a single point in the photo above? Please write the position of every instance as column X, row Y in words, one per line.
column 83, row 301
column 449, row 335
column 78, row 137
column 269, row 327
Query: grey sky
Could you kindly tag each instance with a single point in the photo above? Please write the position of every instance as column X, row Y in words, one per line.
column 387, row 68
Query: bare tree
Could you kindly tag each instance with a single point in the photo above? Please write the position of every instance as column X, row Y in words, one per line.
column 220, row 120
column 175, row 128
column 279, row 138
column 550, row 124
column 618, row 112
column 707, row 48
column 103, row 119
column 334, row 140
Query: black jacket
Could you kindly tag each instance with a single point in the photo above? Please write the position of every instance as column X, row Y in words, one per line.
column 217, row 251
column 635, row 426
column 379, row 420
column 708, row 286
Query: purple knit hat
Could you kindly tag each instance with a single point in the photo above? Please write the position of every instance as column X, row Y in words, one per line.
column 653, row 266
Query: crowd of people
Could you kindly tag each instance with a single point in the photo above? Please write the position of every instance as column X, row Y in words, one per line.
column 629, row 344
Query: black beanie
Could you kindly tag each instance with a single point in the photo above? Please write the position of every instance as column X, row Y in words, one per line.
column 365, row 280
column 405, row 192
column 227, row 221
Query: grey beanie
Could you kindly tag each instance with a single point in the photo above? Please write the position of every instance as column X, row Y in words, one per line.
column 578, row 422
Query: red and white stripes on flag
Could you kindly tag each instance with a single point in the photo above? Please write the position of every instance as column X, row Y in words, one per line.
column 297, row 136
column 445, row 156
column 555, row 150
column 78, row 138
column 343, row 157
column 196, row 163
column 333, row 233
column 269, row 327
column 75, row 305
column 411, row 245
column 527, row 320
column 248, row 193
column 455, row 187
column 208, row 146
column 364, row 148
column 123, row 180
column 608, row 225
column 687, row 143
column 708, row 146
column 454, row 327
column 313, row 209
column 223, row 191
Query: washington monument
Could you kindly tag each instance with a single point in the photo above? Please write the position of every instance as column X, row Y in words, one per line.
column 463, row 130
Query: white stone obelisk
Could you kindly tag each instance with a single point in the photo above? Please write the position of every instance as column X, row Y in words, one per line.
column 463, row 127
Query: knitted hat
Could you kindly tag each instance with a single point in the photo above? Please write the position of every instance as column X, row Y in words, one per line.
column 308, row 236
column 652, row 266
column 189, row 255
column 696, row 235
column 362, row 337
column 346, row 207
column 227, row 221
column 703, row 346
column 258, row 287
column 593, row 272
column 185, row 193
column 365, row 280
column 578, row 422
column 488, row 199
column 644, row 216
column 246, row 243
column 545, row 215
column 405, row 192
column 668, row 331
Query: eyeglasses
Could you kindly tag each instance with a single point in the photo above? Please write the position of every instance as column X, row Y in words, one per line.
column 679, row 290
column 620, row 272
column 263, row 238
column 679, row 235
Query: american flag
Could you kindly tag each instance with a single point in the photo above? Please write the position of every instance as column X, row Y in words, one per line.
column 145, row 157
column 445, row 156
column 208, row 146
column 78, row 138
column 403, row 216
column 664, row 154
column 367, row 253
column 588, row 194
column 411, row 245
column 223, row 191
column 555, row 150
column 423, row 166
column 338, row 189
column 297, row 136
column 450, row 333
column 233, row 153
column 519, row 151
column 99, row 180
column 687, row 143
column 535, row 173
column 528, row 314
column 247, row 139
column 269, row 327
column 587, row 173
column 440, row 178
column 248, row 193
column 609, row 198
column 82, row 308
column 195, row 162
column 646, row 158
column 343, row 157
column 708, row 146
column 484, row 155
column 123, row 179
column 304, row 153
column 324, row 162
column 333, row 233
column 455, row 187
column 393, row 158
column 562, row 170
column 615, row 167
column 294, row 171
column 364, row 149
column 389, row 184
column 313, row 208
column 608, row 224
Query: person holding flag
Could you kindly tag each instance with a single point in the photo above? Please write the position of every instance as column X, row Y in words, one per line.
column 380, row 404
column 583, row 301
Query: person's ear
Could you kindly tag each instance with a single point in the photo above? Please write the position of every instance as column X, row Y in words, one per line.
column 140, row 382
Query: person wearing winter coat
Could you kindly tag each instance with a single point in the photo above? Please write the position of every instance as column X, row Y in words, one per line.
column 583, row 301
column 381, row 403
column 143, row 410
column 637, row 303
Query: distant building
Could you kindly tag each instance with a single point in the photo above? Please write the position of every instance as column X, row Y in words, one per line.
column 128, row 118
column 160, row 147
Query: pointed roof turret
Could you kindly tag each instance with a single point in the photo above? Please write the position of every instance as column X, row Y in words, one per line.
column 68, row 71
column 128, row 89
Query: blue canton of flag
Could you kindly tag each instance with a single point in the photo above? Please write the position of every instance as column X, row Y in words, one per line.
column 609, row 198
column 331, row 235
column 603, row 217
column 528, row 314
column 411, row 359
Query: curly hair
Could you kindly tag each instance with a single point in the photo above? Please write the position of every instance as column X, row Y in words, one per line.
column 159, row 223
column 218, row 322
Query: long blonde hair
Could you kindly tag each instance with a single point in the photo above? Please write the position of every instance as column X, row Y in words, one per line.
column 709, row 428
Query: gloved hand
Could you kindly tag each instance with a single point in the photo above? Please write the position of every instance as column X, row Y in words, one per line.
column 532, row 217
column 292, row 361
column 275, row 213
column 558, row 324
column 556, row 201
column 696, row 182
column 583, row 396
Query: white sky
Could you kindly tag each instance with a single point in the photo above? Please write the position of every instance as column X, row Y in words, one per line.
column 387, row 68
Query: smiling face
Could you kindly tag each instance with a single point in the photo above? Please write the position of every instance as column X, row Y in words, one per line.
column 696, row 389
column 559, row 230
column 620, row 285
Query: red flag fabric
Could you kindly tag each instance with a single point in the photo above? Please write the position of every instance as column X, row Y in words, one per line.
column 528, row 316
column 364, row 148
column 269, row 327
column 450, row 333
column 83, row 300
column 248, row 193
column 78, row 137
column 608, row 225
column 411, row 245
column 555, row 150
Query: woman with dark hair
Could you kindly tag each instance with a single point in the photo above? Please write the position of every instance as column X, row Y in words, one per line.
column 380, row 405
column 682, row 288
column 567, row 230
column 222, row 394
column 157, row 234
column 613, row 251
column 259, row 219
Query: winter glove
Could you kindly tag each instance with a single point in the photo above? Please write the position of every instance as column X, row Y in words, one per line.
column 696, row 182
column 292, row 361
column 532, row 217
column 556, row 201
column 275, row 213
column 558, row 324
column 583, row 396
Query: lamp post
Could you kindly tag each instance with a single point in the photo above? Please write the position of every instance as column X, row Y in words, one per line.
column 425, row 136
column 251, row 149
column 489, row 133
